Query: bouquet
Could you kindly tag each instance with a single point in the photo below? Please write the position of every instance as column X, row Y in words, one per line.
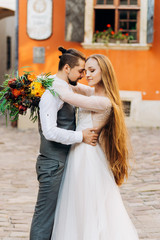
column 23, row 92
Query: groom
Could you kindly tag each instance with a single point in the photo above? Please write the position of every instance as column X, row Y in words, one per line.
column 56, row 127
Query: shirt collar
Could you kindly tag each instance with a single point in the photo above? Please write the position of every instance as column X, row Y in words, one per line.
column 61, row 81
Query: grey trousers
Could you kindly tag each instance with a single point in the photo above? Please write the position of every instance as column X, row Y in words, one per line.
column 49, row 174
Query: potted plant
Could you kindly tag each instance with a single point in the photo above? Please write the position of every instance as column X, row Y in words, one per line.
column 109, row 36
column 120, row 37
column 102, row 36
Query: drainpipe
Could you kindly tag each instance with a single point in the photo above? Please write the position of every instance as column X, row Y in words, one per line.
column 17, row 25
column 15, row 123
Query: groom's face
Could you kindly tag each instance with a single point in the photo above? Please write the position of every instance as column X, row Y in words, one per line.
column 76, row 73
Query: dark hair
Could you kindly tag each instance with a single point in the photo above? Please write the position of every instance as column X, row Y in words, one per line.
column 70, row 57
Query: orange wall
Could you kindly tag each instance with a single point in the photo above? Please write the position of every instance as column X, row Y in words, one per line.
column 136, row 70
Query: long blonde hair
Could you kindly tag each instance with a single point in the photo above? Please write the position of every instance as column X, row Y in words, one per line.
column 114, row 133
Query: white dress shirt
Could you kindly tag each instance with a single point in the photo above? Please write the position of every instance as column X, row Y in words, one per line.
column 49, row 106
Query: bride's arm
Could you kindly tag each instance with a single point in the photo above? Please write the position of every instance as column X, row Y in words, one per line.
column 83, row 89
column 93, row 103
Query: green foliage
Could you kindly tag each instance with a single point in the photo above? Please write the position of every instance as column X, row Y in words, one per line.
column 20, row 93
column 107, row 35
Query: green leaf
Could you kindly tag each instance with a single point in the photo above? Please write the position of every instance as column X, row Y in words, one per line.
column 2, row 105
column 48, row 74
column 28, row 72
column 53, row 92
column 13, row 73
column 26, row 67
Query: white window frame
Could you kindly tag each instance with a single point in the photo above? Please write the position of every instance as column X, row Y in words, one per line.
column 135, row 98
column 88, row 30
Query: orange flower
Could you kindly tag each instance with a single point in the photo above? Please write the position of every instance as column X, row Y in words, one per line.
column 97, row 31
column 108, row 25
column 16, row 105
column 127, row 34
column 16, row 92
column 32, row 77
column 112, row 32
column 121, row 29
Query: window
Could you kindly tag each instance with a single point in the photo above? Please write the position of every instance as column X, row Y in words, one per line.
column 120, row 14
column 127, row 108
column 8, row 63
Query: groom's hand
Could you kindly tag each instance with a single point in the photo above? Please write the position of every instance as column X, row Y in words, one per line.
column 90, row 136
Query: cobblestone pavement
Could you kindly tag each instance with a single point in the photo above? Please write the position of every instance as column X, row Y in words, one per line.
column 18, row 184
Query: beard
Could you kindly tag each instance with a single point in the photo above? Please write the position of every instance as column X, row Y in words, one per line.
column 73, row 83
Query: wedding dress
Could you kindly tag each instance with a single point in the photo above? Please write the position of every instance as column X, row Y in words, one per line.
column 89, row 205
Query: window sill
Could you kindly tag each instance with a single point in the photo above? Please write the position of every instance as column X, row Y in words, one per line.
column 116, row 46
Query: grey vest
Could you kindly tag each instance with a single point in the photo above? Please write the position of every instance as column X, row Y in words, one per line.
column 53, row 150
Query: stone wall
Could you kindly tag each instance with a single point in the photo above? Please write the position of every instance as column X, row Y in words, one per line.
column 74, row 21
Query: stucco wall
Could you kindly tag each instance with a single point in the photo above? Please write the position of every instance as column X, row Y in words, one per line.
column 137, row 70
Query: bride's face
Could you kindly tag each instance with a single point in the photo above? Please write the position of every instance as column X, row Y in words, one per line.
column 93, row 72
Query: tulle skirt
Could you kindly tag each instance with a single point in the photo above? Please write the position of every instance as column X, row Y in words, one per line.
column 89, row 205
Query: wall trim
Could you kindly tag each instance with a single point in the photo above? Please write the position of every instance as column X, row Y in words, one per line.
column 116, row 46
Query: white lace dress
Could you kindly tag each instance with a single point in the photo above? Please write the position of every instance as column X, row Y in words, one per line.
column 89, row 204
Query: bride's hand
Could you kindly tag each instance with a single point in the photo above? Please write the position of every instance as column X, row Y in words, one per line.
column 90, row 136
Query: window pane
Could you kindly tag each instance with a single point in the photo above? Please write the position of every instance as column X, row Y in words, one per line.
column 133, row 15
column 127, row 108
column 8, row 53
column 104, row 17
column 133, row 2
column 134, row 34
column 123, row 25
column 100, row 1
column 123, row 14
column 123, row 2
column 132, row 26
column 110, row 2
column 128, row 22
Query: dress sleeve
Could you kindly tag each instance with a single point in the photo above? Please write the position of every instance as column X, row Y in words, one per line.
column 83, row 89
column 92, row 103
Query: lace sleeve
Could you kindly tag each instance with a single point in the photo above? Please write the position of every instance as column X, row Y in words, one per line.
column 92, row 103
column 83, row 89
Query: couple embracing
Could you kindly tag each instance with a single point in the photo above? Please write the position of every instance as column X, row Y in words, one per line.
column 78, row 195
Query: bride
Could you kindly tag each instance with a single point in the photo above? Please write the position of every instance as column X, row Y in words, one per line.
column 89, row 204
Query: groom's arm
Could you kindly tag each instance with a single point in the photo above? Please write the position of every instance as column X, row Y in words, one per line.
column 49, row 107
